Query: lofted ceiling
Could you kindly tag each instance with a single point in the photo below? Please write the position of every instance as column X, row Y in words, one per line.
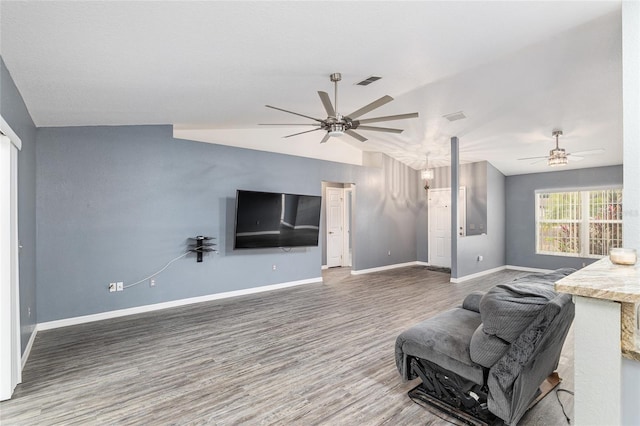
column 518, row 70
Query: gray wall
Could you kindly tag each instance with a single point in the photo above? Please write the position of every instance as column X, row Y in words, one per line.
column 491, row 246
column 14, row 112
column 117, row 203
column 520, row 229
column 485, row 218
column 473, row 176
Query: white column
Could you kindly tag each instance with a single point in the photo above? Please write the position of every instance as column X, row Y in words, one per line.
column 631, row 170
column 597, row 362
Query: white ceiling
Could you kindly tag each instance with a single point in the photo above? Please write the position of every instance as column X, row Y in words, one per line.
column 517, row 69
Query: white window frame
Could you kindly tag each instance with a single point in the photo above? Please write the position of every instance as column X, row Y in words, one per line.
column 583, row 222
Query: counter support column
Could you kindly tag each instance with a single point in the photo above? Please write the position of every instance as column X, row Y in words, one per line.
column 597, row 363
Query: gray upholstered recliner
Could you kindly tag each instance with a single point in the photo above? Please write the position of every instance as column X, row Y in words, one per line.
column 488, row 357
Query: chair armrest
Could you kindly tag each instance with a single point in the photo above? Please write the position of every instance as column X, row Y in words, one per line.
column 472, row 301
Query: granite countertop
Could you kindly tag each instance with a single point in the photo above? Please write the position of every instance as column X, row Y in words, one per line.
column 619, row 283
column 604, row 280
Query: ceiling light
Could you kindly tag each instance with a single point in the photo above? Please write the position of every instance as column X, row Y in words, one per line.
column 558, row 157
column 426, row 174
column 336, row 129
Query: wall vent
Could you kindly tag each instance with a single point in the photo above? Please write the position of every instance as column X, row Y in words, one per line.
column 455, row 116
column 367, row 81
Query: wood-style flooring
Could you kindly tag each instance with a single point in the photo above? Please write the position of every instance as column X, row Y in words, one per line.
column 315, row 354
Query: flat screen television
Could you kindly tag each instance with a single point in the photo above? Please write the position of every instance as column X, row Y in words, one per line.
column 273, row 219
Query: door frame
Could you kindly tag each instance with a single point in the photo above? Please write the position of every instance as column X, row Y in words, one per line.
column 348, row 237
column 347, row 249
column 10, row 344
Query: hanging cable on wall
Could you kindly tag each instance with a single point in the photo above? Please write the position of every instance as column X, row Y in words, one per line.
column 200, row 245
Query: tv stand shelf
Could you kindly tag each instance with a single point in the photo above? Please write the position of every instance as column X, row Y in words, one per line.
column 201, row 245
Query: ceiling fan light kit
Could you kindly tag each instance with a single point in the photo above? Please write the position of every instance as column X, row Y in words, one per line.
column 557, row 156
column 337, row 124
column 558, row 160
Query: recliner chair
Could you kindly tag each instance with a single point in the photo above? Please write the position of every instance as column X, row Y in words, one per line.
column 485, row 360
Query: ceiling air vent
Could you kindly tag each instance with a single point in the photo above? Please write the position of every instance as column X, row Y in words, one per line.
column 455, row 116
column 367, row 81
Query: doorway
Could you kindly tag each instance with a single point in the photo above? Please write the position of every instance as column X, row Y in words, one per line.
column 338, row 207
column 439, row 213
column 10, row 347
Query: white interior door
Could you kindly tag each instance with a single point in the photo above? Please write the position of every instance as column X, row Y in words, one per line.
column 335, row 226
column 440, row 227
column 10, row 350
column 440, row 224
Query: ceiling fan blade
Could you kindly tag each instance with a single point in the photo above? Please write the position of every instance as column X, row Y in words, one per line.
column 295, row 113
column 380, row 129
column 355, row 135
column 373, row 105
column 288, row 124
column 325, row 138
column 326, row 102
column 576, row 157
column 389, row 118
column 300, row 133
column 540, row 161
column 590, row 152
column 533, row 158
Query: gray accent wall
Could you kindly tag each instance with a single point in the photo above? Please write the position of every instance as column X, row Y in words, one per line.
column 118, row 203
column 486, row 210
column 14, row 112
column 520, row 223
column 473, row 176
column 490, row 245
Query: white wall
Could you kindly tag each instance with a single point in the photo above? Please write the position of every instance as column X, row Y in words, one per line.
column 631, row 179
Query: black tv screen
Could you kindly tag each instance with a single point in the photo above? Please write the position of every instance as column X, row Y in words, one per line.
column 273, row 219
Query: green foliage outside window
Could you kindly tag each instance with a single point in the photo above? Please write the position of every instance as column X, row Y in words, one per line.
column 563, row 225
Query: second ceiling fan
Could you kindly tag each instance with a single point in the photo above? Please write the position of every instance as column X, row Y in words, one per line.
column 559, row 156
column 337, row 124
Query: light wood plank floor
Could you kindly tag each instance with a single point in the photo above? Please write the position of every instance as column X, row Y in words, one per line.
column 315, row 354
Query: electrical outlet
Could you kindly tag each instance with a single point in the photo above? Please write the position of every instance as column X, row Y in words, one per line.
column 119, row 286
column 112, row 287
column 152, row 282
column 389, row 253
column 29, row 311
column 480, row 258
column 273, row 267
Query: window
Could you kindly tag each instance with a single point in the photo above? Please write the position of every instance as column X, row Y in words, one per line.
column 579, row 223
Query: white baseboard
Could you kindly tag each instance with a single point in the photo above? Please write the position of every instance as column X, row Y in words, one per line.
column 27, row 349
column 421, row 263
column 526, row 269
column 323, row 267
column 172, row 304
column 477, row 275
column 383, row 268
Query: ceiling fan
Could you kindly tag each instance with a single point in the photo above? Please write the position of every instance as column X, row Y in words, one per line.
column 558, row 156
column 337, row 124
